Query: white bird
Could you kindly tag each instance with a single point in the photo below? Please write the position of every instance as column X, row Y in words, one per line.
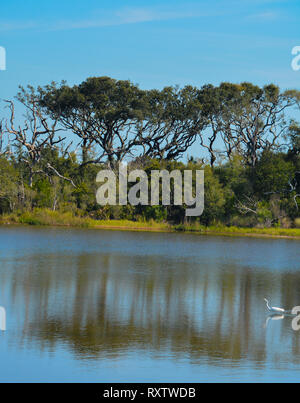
column 273, row 308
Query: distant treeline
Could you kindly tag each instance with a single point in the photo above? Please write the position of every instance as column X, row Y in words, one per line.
column 246, row 138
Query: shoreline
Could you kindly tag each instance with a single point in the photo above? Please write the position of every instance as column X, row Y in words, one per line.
column 207, row 232
column 200, row 232
column 47, row 218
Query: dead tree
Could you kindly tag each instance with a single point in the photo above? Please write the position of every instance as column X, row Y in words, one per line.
column 5, row 146
column 35, row 135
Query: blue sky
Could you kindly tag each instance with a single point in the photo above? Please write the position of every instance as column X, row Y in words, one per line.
column 152, row 43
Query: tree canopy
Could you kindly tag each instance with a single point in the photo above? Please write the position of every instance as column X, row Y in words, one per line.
column 246, row 137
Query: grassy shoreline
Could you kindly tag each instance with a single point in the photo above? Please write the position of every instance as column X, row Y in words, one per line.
column 44, row 217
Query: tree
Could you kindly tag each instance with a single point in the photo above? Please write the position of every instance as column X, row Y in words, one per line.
column 253, row 118
column 215, row 198
column 211, row 103
column 100, row 111
column 5, row 146
column 9, row 185
column 171, row 122
column 293, row 137
column 273, row 173
column 36, row 134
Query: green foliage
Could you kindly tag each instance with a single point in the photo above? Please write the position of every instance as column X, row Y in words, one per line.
column 273, row 202
column 249, row 181
column 273, row 173
column 156, row 213
column 8, row 186
column 43, row 189
column 214, row 198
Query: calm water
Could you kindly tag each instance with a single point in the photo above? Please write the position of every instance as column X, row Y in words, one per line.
column 101, row 306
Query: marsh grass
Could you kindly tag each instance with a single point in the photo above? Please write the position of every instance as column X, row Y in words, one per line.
column 46, row 217
column 232, row 230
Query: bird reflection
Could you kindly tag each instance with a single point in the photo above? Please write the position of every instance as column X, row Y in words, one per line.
column 274, row 316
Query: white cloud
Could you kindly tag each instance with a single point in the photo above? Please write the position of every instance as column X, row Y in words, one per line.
column 265, row 16
column 147, row 14
column 117, row 17
column 132, row 16
column 15, row 25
